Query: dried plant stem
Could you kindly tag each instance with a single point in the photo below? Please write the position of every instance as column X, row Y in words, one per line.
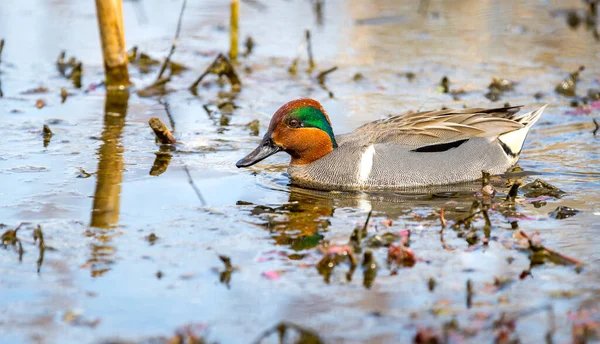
column 112, row 36
column 174, row 44
column 234, row 30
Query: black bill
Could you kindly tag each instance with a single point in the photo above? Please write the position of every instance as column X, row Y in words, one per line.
column 266, row 148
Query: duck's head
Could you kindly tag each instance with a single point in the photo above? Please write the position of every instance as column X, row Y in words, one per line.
column 300, row 128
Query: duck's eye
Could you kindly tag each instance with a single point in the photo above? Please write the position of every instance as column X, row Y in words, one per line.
column 294, row 123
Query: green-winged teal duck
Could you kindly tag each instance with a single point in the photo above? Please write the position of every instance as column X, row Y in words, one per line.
column 404, row 151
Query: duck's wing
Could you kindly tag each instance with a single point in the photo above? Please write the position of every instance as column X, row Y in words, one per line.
column 442, row 127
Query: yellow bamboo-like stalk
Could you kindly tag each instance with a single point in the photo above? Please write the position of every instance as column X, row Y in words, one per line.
column 112, row 36
column 105, row 212
column 234, row 30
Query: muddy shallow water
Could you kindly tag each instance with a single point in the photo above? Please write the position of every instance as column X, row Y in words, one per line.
column 132, row 256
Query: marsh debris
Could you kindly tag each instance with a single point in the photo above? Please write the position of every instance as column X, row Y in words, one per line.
column 369, row 265
column 10, row 238
column 40, row 103
column 77, row 319
column 498, row 87
column 63, row 95
column 220, row 67
column 161, row 162
column 193, row 185
column 47, row 134
column 334, row 255
column 321, row 79
column 400, row 255
column 431, row 283
column 151, row 238
column 38, row 236
column 293, row 68
column 167, row 61
column 37, row 90
column 157, row 88
column 163, row 134
column 596, row 127
column 445, row 85
column 225, row 275
column 585, row 325
column 1, row 48
column 358, row 77
column 541, row 188
column 563, row 212
column 253, row 127
column 81, row 173
column 512, row 193
column 469, row 293
column 311, row 61
column 539, row 254
column 568, row 85
column 288, row 333
column 70, row 68
column 249, row 43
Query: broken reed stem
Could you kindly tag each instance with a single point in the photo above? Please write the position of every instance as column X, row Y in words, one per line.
column 367, row 221
column 234, row 30
column 444, row 223
column 311, row 61
column 168, row 111
column 551, row 252
column 163, row 134
column 196, row 190
column 174, row 44
column 1, row 48
column 112, row 36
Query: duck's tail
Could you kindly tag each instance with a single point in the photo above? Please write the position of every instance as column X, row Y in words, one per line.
column 512, row 142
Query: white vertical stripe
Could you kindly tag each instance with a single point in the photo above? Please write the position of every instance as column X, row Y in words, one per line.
column 366, row 164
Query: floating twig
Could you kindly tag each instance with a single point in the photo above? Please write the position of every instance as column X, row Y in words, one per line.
column 174, row 44
column 191, row 181
column 163, row 134
column 596, row 128
column 553, row 254
column 47, row 133
column 321, row 79
column 220, row 67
